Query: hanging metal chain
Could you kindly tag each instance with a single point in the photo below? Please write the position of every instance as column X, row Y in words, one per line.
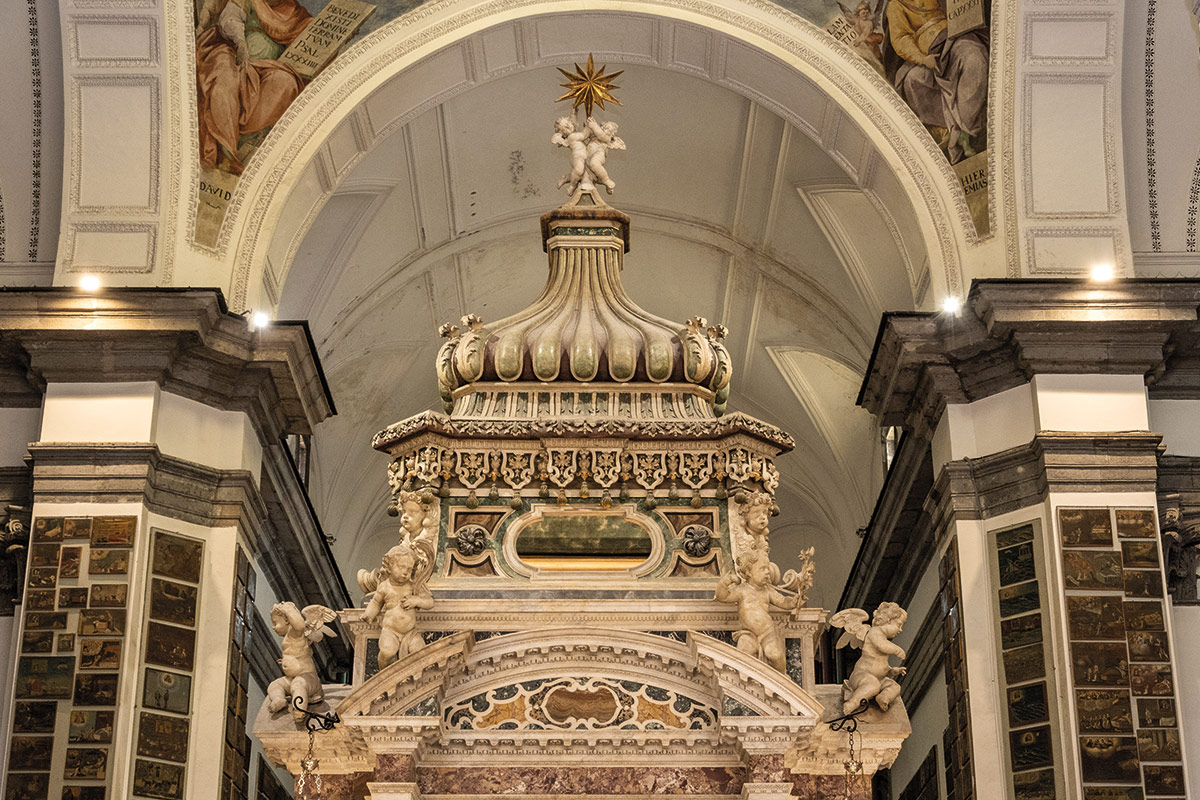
column 309, row 784
column 854, row 768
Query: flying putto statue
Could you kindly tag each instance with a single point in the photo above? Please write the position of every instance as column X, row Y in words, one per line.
column 300, row 631
column 588, row 146
column 873, row 677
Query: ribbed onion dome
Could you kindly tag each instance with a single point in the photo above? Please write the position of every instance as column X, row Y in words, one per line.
column 584, row 327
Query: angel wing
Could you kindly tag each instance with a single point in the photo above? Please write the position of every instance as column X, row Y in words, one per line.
column 854, row 620
column 847, row 13
column 315, row 618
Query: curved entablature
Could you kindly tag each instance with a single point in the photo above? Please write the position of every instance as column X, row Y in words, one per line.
column 544, row 696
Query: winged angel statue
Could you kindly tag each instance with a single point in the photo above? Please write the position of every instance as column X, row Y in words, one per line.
column 873, row 677
column 300, row 631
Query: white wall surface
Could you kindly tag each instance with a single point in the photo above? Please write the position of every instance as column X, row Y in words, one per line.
column 1179, row 423
column 100, row 412
column 1090, row 403
column 990, row 425
column 143, row 413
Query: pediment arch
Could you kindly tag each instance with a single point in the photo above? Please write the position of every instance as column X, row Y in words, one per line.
column 701, row 669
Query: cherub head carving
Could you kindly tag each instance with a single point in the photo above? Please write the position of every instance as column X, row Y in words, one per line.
column 564, row 125
column 280, row 620
column 415, row 516
column 400, row 562
column 758, row 513
column 889, row 617
column 755, row 569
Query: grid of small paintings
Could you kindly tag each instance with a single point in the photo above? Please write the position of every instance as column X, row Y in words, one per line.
column 235, row 777
column 924, row 783
column 70, row 656
column 1120, row 657
column 956, row 739
column 168, row 659
column 269, row 786
column 1023, row 655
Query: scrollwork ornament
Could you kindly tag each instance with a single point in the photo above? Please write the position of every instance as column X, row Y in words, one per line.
column 606, row 466
column 14, row 541
column 649, row 469
column 517, row 469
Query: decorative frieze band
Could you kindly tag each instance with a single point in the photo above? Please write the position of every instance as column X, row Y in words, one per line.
column 615, row 469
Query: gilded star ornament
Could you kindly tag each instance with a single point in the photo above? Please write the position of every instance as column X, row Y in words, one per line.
column 589, row 86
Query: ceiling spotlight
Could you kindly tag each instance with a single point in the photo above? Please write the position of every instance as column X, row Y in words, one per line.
column 1102, row 272
column 259, row 319
column 951, row 305
column 89, row 283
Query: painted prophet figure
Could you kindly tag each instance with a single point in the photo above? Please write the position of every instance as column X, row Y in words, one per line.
column 242, row 86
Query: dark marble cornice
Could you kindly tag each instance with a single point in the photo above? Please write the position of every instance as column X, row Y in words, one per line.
column 898, row 547
column 1010, row 330
column 186, row 340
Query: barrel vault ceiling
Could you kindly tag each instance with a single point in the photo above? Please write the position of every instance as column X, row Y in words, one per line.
column 737, row 216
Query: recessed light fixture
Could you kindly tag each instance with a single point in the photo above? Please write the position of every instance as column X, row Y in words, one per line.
column 89, row 283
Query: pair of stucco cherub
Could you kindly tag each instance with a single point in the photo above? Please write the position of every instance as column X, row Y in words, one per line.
column 756, row 587
column 588, row 150
column 396, row 589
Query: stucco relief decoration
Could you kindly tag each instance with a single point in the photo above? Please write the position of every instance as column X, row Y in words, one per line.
column 1181, row 553
column 398, row 588
column 873, row 677
column 756, row 585
column 580, row 704
column 300, row 685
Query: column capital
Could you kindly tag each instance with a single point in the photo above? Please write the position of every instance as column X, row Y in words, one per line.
column 1010, row 330
column 186, row 340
